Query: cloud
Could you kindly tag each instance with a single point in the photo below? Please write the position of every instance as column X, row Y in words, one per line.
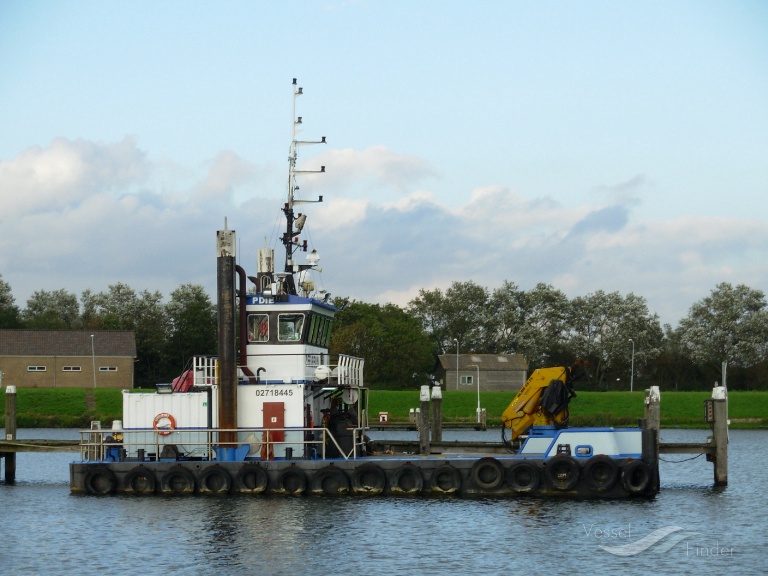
column 608, row 219
column 354, row 171
column 225, row 172
column 82, row 214
column 66, row 172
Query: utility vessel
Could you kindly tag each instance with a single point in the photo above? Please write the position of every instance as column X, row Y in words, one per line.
column 275, row 413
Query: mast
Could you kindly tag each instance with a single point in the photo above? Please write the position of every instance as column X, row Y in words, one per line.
column 294, row 223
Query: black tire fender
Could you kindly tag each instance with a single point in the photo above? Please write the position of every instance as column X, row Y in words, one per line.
column 329, row 481
column 178, row 480
column 140, row 480
column 406, row 479
column 487, row 473
column 100, row 480
column 291, row 481
column 445, row 479
column 369, row 479
column 636, row 476
column 562, row 472
column 215, row 480
column 251, row 479
column 524, row 476
column 601, row 472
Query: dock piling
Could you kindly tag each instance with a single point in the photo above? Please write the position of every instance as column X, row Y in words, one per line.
column 10, row 433
column 437, row 414
column 719, row 422
column 424, row 421
column 650, row 425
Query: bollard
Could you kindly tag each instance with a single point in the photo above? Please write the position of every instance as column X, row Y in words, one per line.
column 437, row 414
column 424, row 421
column 10, row 433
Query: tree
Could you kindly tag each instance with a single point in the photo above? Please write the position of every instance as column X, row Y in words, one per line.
column 54, row 310
column 528, row 323
column 151, row 330
column 728, row 326
column 601, row 326
column 673, row 369
column 461, row 313
column 397, row 350
column 10, row 317
column 112, row 310
column 192, row 325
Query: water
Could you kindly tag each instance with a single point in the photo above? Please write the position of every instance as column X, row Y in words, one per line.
column 44, row 529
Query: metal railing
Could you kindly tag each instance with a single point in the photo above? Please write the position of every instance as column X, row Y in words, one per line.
column 114, row 445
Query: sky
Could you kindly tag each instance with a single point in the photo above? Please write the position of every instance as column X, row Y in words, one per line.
column 593, row 145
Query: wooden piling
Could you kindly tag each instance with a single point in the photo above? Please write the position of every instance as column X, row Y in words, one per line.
column 652, row 412
column 424, row 421
column 650, row 425
column 10, row 433
column 720, row 434
column 437, row 414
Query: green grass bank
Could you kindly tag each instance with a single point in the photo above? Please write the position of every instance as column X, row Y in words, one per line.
column 77, row 407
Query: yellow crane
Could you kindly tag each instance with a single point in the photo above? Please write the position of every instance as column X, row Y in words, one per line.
column 543, row 400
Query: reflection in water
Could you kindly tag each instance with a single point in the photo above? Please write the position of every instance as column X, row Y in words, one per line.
column 50, row 530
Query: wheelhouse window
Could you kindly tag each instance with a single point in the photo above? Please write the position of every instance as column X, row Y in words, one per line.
column 258, row 328
column 319, row 330
column 290, row 327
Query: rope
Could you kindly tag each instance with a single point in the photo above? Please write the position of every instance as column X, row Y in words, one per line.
column 679, row 461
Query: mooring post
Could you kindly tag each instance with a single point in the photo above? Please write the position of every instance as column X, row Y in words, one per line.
column 653, row 408
column 424, row 421
column 437, row 414
column 720, row 434
column 10, row 433
column 650, row 425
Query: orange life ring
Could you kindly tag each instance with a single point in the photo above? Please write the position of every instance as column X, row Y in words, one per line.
column 164, row 431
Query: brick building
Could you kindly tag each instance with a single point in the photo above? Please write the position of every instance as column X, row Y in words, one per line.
column 67, row 358
column 497, row 372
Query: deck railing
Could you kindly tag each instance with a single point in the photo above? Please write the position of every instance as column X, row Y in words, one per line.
column 115, row 445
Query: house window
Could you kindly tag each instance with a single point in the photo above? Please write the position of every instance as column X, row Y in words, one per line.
column 36, row 368
column 466, row 380
column 71, row 368
column 107, row 368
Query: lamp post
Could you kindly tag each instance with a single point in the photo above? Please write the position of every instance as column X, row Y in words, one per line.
column 93, row 361
column 457, row 362
column 478, row 388
column 632, row 373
